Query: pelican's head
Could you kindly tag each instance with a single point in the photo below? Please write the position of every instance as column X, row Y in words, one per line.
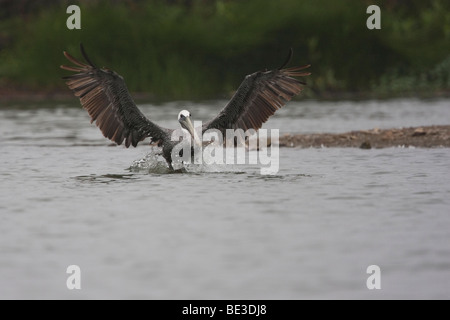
column 184, row 118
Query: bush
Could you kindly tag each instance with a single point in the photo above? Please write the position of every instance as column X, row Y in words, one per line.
column 203, row 49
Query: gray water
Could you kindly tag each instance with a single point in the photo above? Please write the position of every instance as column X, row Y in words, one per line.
column 69, row 198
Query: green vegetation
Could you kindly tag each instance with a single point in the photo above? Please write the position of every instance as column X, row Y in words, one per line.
column 203, row 49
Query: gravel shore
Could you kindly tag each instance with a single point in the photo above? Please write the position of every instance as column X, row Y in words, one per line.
column 420, row 137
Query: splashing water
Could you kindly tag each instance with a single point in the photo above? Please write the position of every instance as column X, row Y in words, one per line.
column 153, row 162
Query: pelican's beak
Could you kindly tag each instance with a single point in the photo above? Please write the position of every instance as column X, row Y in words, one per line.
column 187, row 124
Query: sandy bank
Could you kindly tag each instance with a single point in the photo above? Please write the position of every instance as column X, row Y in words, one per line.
column 421, row 137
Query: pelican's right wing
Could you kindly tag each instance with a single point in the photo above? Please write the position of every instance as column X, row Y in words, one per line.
column 105, row 96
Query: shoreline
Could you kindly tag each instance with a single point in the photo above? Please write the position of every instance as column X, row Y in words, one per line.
column 420, row 137
column 11, row 94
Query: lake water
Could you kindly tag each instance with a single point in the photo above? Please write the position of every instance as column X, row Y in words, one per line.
column 69, row 198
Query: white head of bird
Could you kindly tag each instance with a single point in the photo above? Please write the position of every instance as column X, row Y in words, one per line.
column 184, row 118
column 183, row 114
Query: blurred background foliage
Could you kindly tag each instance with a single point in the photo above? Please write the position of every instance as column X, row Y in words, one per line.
column 201, row 49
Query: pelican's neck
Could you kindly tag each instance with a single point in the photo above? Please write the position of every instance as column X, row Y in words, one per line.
column 197, row 141
column 184, row 118
column 193, row 134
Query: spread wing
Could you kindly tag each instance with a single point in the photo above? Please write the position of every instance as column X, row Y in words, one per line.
column 105, row 96
column 257, row 98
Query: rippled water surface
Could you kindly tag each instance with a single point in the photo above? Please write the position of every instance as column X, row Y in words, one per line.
column 69, row 198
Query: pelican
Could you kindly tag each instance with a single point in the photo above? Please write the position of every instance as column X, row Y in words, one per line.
column 104, row 95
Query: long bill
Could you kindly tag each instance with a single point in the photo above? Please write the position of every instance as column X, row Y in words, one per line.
column 190, row 128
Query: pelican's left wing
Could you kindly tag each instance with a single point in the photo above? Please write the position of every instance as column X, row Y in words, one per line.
column 104, row 94
column 257, row 98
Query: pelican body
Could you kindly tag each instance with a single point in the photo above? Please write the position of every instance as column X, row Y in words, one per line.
column 104, row 94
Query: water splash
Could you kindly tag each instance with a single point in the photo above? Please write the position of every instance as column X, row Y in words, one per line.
column 208, row 165
column 153, row 162
column 211, row 168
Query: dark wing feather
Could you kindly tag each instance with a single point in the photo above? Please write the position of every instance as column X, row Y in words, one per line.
column 257, row 98
column 104, row 95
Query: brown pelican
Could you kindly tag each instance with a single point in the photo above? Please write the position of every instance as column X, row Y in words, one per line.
column 104, row 95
